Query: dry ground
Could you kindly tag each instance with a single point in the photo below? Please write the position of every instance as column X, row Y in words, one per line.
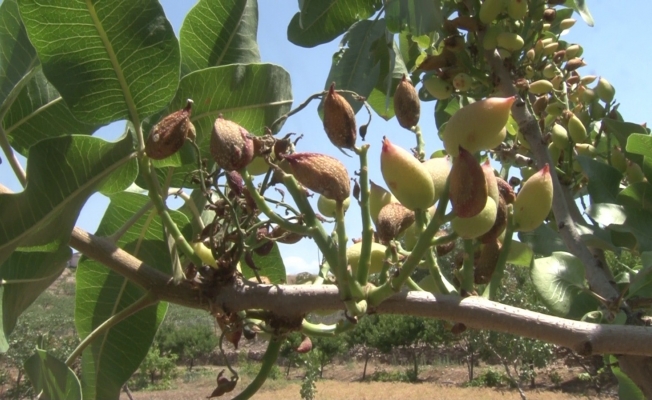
column 341, row 382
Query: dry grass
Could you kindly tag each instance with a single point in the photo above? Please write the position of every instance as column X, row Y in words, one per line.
column 348, row 388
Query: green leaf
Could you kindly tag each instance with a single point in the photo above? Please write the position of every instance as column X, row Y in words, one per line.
column 356, row 67
column 62, row 173
column 559, row 280
column 637, row 195
column 321, row 21
column 543, row 240
column 607, row 214
column 39, row 112
column 392, row 70
column 17, row 55
column 443, row 111
column 627, row 389
column 42, row 268
column 419, row 17
column 622, row 131
column 109, row 60
column 111, row 359
column 582, row 9
column 271, row 266
column 253, row 95
column 604, row 180
column 520, row 254
column 638, row 143
column 52, row 377
column 625, row 219
column 219, row 33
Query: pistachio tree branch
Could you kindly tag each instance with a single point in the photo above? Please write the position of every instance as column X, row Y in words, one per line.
column 295, row 300
column 529, row 127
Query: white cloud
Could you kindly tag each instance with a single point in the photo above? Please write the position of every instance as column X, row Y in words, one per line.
column 294, row 265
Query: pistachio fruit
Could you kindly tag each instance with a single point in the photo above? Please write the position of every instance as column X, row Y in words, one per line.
column 468, row 189
column 378, row 198
column 327, row 206
column 204, row 253
column 376, row 260
column 517, row 9
column 576, row 129
column 462, row 82
column 634, row 173
column 567, row 23
column 479, row 224
column 605, row 90
column 486, row 264
column 407, row 106
column 257, row 166
column 231, row 147
column 559, row 136
column 534, row 201
column 478, row 126
column 393, row 219
column 406, row 177
column 339, row 120
column 540, row 87
column 439, row 169
column 492, row 183
column 489, row 10
column 167, row 136
column 510, row 41
column 618, row 160
column 322, row 174
column 438, row 88
column 500, row 223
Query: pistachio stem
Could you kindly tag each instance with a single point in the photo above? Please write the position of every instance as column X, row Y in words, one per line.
column 367, row 228
column 196, row 215
column 268, row 361
column 442, row 284
column 145, row 301
column 172, row 228
column 467, row 268
column 413, row 285
column 497, row 276
column 323, row 330
column 264, row 207
column 437, row 241
column 421, row 144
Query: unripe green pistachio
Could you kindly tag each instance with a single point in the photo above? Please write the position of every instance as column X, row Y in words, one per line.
column 462, row 82
column 231, row 146
column 257, row 166
column 587, row 95
column 588, row 79
column 572, row 51
column 529, row 72
column 555, row 109
column 634, row 173
column 393, row 219
column 322, row 174
column 585, row 149
column 406, row 177
column 555, row 153
column 510, row 41
column 168, row 136
column 438, row 88
column 486, row 264
column 327, row 206
column 618, row 160
column 467, row 185
column 540, row 87
column 597, row 111
column 489, row 10
column 204, row 254
column 567, row 23
column 478, row 225
column 550, row 48
column 378, row 198
column 517, row 9
column 339, row 120
column 556, row 82
column 545, row 27
column 478, row 126
column 559, row 136
column 605, row 90
column 549, row 71
column 492, row 183
column 407, row 106
column 576, row 129
column 534, row 201
column 526, row 173
column 530, row 54
column 439, row 169
column 376, row 260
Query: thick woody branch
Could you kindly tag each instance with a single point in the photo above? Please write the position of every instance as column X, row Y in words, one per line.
column 529, row 127
column 293, row 300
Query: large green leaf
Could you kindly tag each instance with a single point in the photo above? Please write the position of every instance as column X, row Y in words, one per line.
column 356, row 67
column 638, row 143
column 630, row 219
column 52, row 377
column 627, row 389
column 113, row 357
column 109, row 60
column 218, row 33
column 270, row 265
column 321, row 21
column 37, row 270
column 543, row 240
column 253, row 95
column 622, row 131
column 520, row 254
column 419, row 17
column 392, row 70
column 604, row 180
column 17, row 56
column 637, row 195
column 559, row 280
column 62, row 173
column 39, row 112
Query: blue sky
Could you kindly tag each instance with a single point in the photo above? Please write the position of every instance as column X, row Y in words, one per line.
column 616, row 48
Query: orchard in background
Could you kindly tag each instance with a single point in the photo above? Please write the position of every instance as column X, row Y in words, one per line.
column 205, row 123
